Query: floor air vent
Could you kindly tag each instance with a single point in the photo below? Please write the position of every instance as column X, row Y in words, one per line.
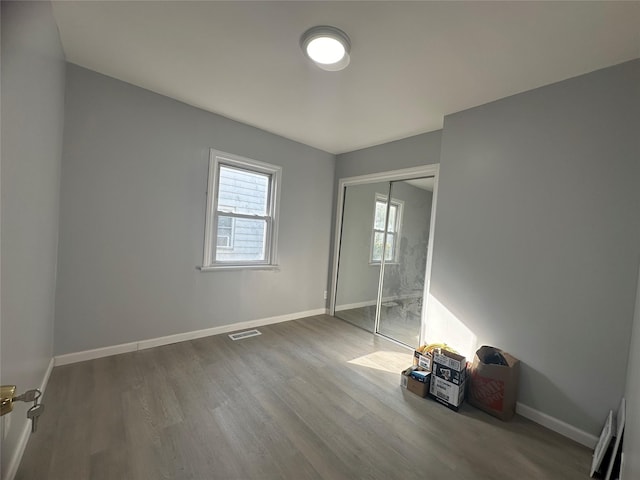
column 245, row 334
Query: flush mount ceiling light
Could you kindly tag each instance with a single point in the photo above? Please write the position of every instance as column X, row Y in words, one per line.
column 328, row 47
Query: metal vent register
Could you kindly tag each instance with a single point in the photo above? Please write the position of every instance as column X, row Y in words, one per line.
column 245, row 334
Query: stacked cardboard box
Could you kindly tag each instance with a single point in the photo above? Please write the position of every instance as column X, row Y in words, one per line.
column 448, row 379
column 440, row 374
column 422, row 360
column 416, row 380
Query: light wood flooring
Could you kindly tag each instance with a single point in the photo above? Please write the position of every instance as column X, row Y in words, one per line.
column 314, row 398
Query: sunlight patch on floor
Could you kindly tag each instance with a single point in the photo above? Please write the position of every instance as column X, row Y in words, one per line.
column 386, row 361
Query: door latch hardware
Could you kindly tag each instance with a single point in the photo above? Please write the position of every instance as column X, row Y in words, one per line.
column 8, row 397
column 7, row 394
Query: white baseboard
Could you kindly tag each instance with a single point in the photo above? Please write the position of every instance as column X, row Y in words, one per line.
column 370, row 303
column 75, row 357
column 558, row 426
column 349, row 306
column 16, row 458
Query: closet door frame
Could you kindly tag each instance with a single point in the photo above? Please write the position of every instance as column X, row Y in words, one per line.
column 389, row 176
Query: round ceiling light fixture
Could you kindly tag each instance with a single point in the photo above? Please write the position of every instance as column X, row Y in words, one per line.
column 328, row 47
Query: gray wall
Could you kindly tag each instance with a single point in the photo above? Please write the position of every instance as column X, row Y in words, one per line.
column 537, row 235
column 32, row 82
column 631, row 462
column 409, row 152
column 134, row 176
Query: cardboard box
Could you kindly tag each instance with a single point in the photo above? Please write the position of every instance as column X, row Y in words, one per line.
column 422, row 360
column 419, row 387
column 447, row 393
column 450, row 360
column 448, row 379
column 494, row 387
column 457, row 377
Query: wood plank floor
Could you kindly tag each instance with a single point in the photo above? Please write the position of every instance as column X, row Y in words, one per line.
column 315, row 398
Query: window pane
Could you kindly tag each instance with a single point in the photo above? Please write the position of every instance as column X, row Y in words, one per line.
column 388, row 253
column 242, row 191
column 378, row 238
column 393, row 211
column 224, row 222
column 225, row 232
column 248, row 242
column 381, row 212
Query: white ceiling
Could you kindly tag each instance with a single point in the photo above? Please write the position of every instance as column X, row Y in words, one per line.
column 411, row 62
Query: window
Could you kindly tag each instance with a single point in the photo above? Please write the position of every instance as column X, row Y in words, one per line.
column 393, row 229
column 241, row 224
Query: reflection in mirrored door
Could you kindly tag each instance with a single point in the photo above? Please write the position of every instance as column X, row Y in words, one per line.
column 361, row 240
column 405, row 259
column 382, row 256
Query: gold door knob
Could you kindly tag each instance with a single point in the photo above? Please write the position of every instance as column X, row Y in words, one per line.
column 7, row 394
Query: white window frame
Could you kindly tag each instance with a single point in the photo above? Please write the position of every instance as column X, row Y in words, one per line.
column 216, row 159
column 399, row 204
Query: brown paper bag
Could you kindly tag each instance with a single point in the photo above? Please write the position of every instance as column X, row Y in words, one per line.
column 494, row 388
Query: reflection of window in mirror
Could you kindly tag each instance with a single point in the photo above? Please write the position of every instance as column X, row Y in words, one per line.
column 393, row 229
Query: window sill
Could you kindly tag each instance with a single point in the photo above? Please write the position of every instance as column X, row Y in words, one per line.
column 216, row 268
column 377, row 264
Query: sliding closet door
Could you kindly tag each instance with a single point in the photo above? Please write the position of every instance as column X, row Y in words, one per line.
column 361, row 246
column 405, row 258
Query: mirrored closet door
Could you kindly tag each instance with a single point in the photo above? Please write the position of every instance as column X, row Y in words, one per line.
column 382, row 256
column 358, row 272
